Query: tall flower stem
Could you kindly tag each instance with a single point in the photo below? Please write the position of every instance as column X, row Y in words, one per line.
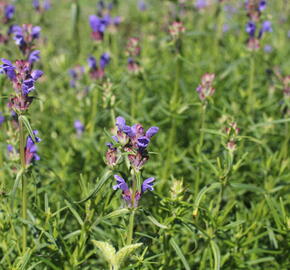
column 24, row 184
column 94, row 109
column 172, row 132
column 251, row 96
column 200, row 145
column 131, row 226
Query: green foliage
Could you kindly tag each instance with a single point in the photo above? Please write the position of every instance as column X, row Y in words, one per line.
column 214, row 205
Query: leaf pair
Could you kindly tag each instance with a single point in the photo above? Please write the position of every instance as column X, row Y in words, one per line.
column 115, row 259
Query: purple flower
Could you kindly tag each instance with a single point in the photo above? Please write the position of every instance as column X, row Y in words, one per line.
column 142, row 5
column 34, row 56
column 25, row 35
column 201, row 4
column 92, row 62
column 78, row 125
column 35, row 33
column 120, row 122
column 27, row 86
column 2, row 119
column 98, row 26
column 104, row 60
column 251, row 29
column 46, row 5
column 10, row 148
column 267, row 26
column 268, row 48
column 121, row 184
column 36, row 4
column 143, row 142
column 9, row 12
column 8, row 68
column 36, row 74
column 151, row 132
column 31, row 149
column 262, row 5
column 148, row 184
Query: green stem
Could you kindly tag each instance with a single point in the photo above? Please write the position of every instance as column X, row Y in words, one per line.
column 94, row 109
column 251, row 96
column 24, row 184
column 199, row 148
column 131, row 227
column 172, row 132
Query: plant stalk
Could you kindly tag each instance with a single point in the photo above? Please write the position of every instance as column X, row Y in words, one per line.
column 24, row 184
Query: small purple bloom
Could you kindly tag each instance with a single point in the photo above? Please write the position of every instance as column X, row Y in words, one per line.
column 9, row 12
column 201, row 4
column 151, row 132
column 31, row 149
column 262, row 5
column 268, row 48
column 142, row 5
column 35, row 33
column 251, row 29
column 120, row 122
column 121, row 184
column 2, row 119
column 46, row 5
column 34, row 56
column 78, row 125
column 104, row 60
column 267, row 26
column 143, row 142
column 36, row 4
column 27, row 86
column 36, row 74
column 8, row 68
column 10, row 148
column 92, row 62
column 148, row 184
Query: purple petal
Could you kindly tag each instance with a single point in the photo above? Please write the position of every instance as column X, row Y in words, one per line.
column 121, row 184
column 151, row 132
column 143, row 142
column 36, row 74
column 120, row 122
column 148, row 184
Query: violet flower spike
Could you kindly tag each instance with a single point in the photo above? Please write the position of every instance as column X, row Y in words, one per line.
column 121, row 184
column 148, row 184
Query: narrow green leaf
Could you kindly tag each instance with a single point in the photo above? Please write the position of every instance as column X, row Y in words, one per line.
column 179, row 253
column 26, row 123
column 117, row 213
column 201, row 194
column 99, row 185
column 75, row 213
column 216, row 255
column 155, row 222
